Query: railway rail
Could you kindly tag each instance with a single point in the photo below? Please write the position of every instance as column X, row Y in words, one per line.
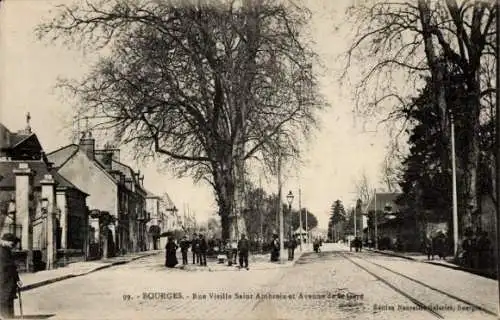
column 434, row 301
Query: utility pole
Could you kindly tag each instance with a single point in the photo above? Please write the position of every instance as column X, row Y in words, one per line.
column 354, row 214
column 497, row 184
column 261, row 215
column 300, row 220
column 307, row 230
column 280, row 210
column 376, row 227
column 454, row 188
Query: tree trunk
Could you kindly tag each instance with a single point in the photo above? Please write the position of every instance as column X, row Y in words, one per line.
column 472, row 154
column 224, row 189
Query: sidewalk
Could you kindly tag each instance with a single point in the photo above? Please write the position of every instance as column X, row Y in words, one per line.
column 447, row 262
column 255, row 262
column 42, row 278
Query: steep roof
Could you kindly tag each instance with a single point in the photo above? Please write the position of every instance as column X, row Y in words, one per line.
column 128, row 172
column 14, row 139
column 39, row 168
column 60, row 156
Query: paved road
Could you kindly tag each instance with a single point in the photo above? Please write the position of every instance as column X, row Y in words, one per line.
column 334, row 284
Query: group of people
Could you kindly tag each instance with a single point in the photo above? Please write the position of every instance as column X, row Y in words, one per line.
column 199, row 248
column 198, row 245
column 357, row 244
column 436, row 246
column 9, row 277
column 290, row 245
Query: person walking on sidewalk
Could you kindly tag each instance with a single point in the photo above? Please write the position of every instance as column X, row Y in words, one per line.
column 184, row 250
column 429, row 250
column 203, row 247
column 9, row 276
column 243, row 248
column 195, row 248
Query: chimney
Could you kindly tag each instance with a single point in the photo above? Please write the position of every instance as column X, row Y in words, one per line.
column 105, row 158
column 141, row 180
column 87, row 144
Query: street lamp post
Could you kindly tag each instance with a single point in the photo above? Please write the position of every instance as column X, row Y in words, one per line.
column 280, row 211
column 454, row 188
column 375, row 218
column 300, row 220
column 289, row 198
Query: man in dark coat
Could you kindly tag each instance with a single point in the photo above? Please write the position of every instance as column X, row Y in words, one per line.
column 292, row 244
column 184, row 250
column 243, row 248
column 195, row 248
column 203, row 250
column 8, row 275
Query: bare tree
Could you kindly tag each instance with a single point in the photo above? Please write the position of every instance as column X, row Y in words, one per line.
column 406, row 41
column 363, row 188
column 390, row 171
column 207, row 85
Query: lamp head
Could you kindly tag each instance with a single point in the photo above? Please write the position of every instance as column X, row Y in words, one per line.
column 290, row 197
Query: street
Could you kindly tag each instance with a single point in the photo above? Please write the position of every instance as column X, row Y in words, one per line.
column 335, row 283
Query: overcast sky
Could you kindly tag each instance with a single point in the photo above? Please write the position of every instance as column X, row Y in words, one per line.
column 337, row 155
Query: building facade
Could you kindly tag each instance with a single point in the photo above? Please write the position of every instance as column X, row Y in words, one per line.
column 36, row 199
column 116, row 196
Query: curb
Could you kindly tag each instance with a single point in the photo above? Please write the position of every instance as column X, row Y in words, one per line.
column 393, row 254
column 68, row 276
column 454, row 267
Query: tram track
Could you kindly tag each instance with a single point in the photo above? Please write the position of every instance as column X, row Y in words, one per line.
column 404, row 285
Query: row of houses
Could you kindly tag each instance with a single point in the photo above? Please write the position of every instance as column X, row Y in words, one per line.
column 77, row 202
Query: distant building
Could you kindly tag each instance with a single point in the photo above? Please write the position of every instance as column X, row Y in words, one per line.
column 317, row 233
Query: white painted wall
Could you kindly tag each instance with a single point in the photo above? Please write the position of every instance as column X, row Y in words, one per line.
column 91, row 179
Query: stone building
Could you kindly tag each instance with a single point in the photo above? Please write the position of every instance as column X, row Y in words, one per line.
column 116, row 195
column 164, row 218
column 30, row 189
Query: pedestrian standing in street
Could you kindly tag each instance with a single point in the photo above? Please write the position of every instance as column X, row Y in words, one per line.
column 316, row 244
column 292, row 244
column 234, row 250
column 184, row 250
column 8, row 275
column 275, row 248
column 195, row 248
column 171, row 253
column 243, row 248
column 203, row 250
